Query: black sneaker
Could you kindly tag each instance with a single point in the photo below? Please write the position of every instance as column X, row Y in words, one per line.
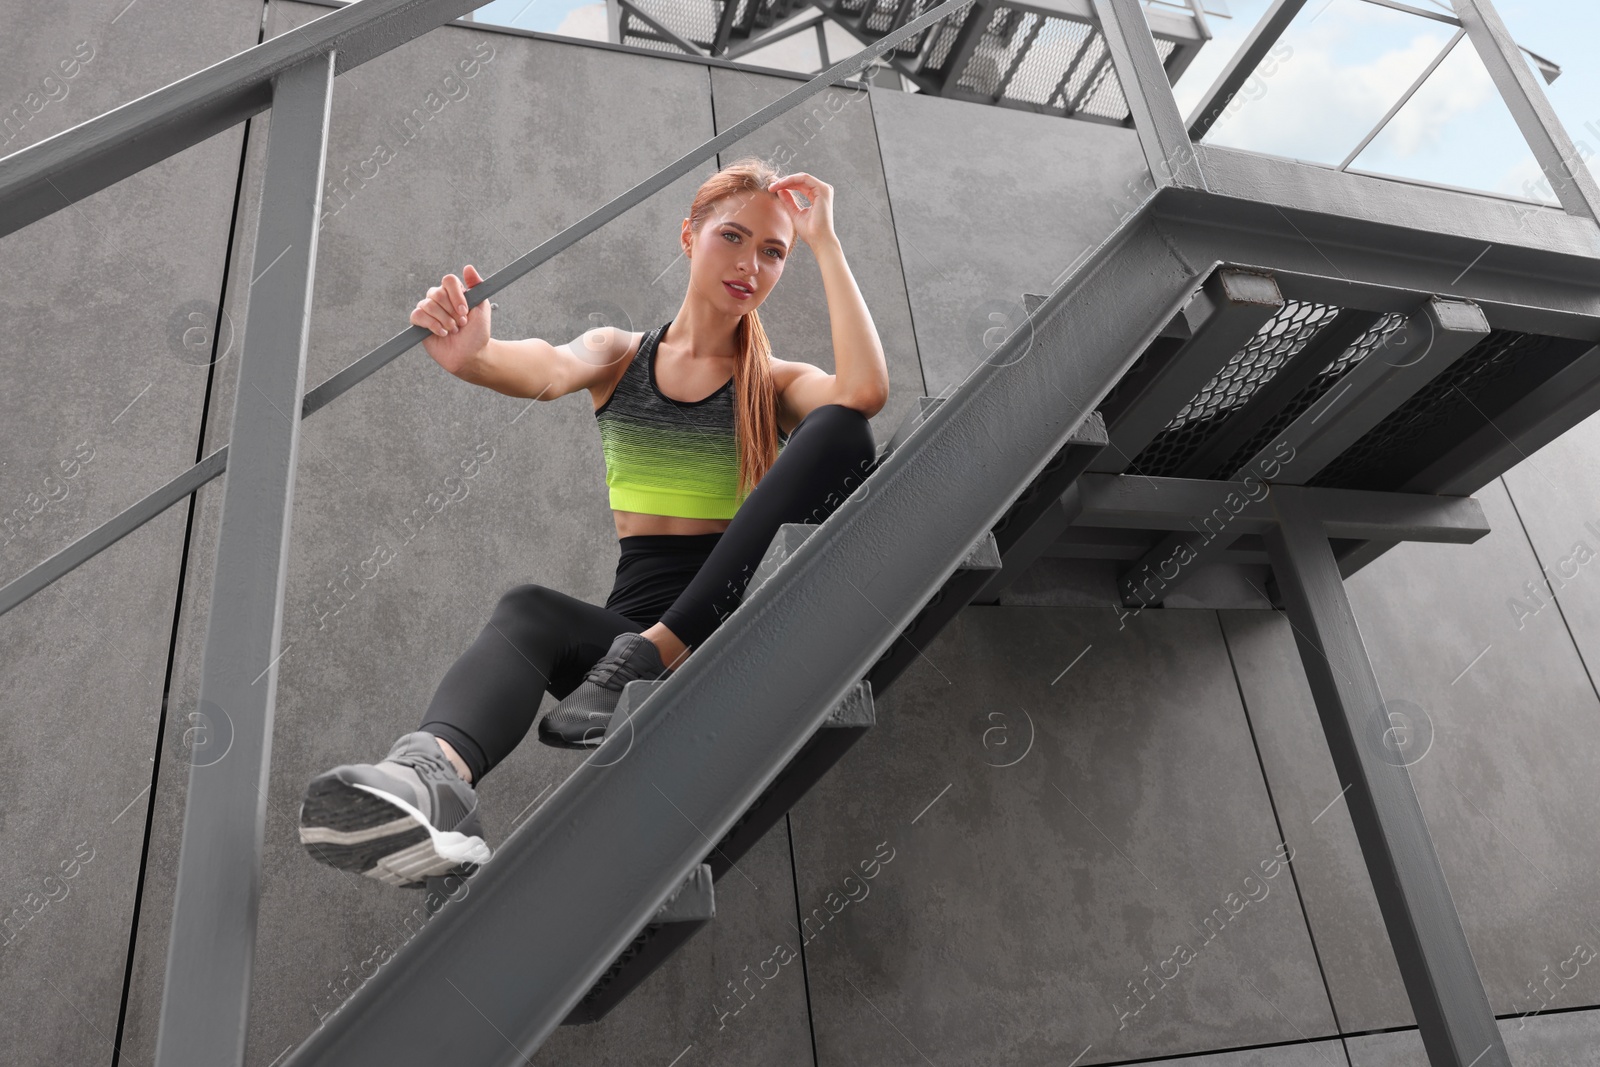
column 400, row 821
column 581, row 719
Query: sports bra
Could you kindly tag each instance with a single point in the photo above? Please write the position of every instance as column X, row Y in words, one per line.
column 665, row 456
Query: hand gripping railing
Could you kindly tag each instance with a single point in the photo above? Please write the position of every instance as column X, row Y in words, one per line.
column 205, row 1001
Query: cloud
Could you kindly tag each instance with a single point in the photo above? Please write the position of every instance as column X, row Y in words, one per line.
column 1317, row 106
column 588, row 21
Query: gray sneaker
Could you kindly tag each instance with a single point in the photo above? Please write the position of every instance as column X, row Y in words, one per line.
column 580, row 721
column 401, row 821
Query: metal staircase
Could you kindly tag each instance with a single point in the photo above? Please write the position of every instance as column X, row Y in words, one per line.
column 1205, row 338
column 1046, row 56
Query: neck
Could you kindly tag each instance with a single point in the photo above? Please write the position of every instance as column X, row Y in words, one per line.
column 703, row 331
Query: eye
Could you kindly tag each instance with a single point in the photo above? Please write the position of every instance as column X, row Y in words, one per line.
column 775, row 253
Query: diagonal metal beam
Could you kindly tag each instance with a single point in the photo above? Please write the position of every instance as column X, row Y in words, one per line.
column 1440, row 332
column 204, row 1006
column 798, row 646
column 45, row 177
column 1242, row 66
column 1552, row 147
column 1168, row 149
column 1223, row 316
column 1458, row 1027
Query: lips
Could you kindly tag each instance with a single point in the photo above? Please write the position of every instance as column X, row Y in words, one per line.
column 734, row 288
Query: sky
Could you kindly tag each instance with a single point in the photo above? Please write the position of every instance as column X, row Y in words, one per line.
column 1344, row 63
column 1334, row 75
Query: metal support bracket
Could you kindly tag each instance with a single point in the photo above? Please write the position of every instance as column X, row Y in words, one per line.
column 1447, row 997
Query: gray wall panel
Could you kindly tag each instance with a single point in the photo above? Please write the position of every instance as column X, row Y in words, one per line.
column 1057, row 825
column 1507, row 784
column 103, row 403
column 990, row 203
column 1557, row 494
column 1565, row 1040
column 1356, row 957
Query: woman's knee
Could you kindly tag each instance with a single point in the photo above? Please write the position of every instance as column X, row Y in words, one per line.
column 529, row 601
column 846, row 433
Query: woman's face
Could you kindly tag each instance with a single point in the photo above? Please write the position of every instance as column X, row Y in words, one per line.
column 745, row 241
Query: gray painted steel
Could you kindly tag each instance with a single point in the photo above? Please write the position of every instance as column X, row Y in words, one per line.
column 1570, row 395
column 1135, row 502
column 1221, row 318
column 794, row 655
column 1444, row 330
column 1242, row 65
column 1330, row 342
column 1167, row 147
column 1452, row 1011
column 1531, row 109
column 111, row 531
column 1259, row 186
column 46, row 177
column 1041, row 526
column 205, row 1003
column 1405, row 98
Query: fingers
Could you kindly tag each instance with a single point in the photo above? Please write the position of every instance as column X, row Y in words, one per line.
column 428, row 315
column 455, row 298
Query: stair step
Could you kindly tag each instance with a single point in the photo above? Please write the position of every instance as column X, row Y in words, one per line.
column 679, row 918
column 693, row 904
column 693, row 901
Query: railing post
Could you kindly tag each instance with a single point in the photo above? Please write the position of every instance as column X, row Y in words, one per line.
column 1447, row 997
column 1162, row 133
column 205, row 1004
column 1554, row 150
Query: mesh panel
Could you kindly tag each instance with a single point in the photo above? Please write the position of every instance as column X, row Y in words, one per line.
column 1058, row 44
column 948, row 30
column 992, row 54
column 913, row 44
column 1278, row 340
column 1463, row 385
column 693, row 20
column 1314, row 391
column 1102, row 93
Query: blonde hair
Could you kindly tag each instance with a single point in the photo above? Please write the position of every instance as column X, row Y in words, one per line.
column 755, row 395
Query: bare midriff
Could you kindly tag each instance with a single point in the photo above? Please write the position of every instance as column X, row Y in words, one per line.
column 633, row 523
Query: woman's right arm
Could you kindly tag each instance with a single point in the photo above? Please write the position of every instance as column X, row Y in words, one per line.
column 461, row 343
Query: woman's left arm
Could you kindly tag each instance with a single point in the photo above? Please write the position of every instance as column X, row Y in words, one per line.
column 861, row 375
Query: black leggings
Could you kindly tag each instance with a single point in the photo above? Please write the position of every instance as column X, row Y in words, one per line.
column 539, row 638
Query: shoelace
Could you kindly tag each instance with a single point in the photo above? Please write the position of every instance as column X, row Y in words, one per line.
column 611, row 668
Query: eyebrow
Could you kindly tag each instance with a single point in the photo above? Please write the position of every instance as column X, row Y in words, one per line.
column 748, row 232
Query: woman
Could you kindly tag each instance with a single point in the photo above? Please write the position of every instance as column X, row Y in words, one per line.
column 695, row 505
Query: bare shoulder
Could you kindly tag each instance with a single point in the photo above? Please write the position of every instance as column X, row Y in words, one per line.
column 787, row 371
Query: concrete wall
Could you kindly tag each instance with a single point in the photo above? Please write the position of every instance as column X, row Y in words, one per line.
column 1061, row 801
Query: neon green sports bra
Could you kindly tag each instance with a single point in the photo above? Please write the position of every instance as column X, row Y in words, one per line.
column 665, row 456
